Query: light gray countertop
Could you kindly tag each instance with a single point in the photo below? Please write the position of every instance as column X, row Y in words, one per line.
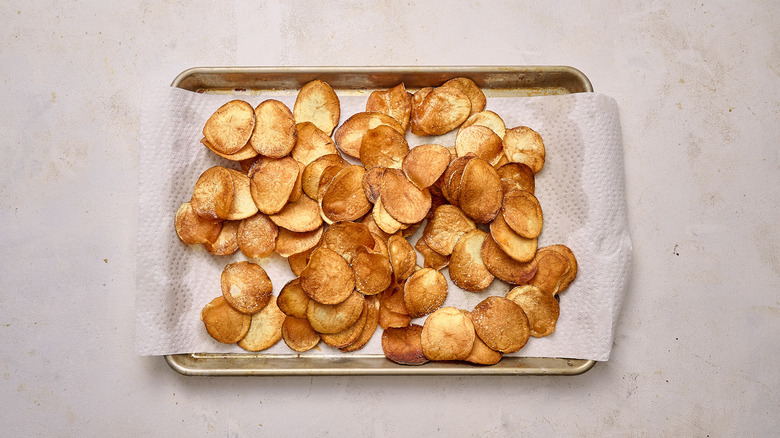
column 698, row 86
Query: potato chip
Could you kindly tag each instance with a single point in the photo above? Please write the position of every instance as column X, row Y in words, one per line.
column 425, row 164
column 227, row 239
column 242, row 205
column 486, row 118
column 265, row 329
column 328, row 278
column 275, row 130
column 403, row 345
column 441, row 111
column 467, row 269
column 524, row 145
column 289, row 243
column 383, row 220
column 472, row 90
column 257, row 236
column 344, row 199
column 299, row 261
column 424, row 291
column 480, row 141
column 311, row 143
column 552, row 269
column 446, row 226
column 372, row 181
column 245, row 153
column 298, row 334
column 516, row 176
column 452, row 176
column 213, row 194
column 370, row 223
column 541, row 308
column 224, row 323
column 402, row 257
column 501, row 324
column 504, row 267
column 393, row 298
column 326, row 178
column 193, row 229
column 501, row 160
column 380, row 246
column 372, row 320
column 402, row 199
column 388, row 318
column 448, row 334
column 395, row 102
column 300, row 216
column 480, row 353
column 297, row 190
column 272, row 181
column 292, row 299
column 229, row 128
column 523, row 214
column 349, row 334
column 346, row 237
column 432, row 259
column 318, row 103
column 417, row 99
column 383, row 146
column 513, row 244
column 246, row 286
column 373, row 272
column 349, row 136
column 480, row 191
column 333, row 318
column 569, row 275
column 312, row 173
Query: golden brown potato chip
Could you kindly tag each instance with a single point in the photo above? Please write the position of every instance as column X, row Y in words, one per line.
column 383, row 220
column 297, row 190
column 393, row 298
column 467, row 269
column 265, row 329
column 552, row 269
column 230, row 127
column 402, row 199
column 372, row 320
column 318, row 103
column 452, row 176
column 517, row 176
column 300, row 216
column 349, row 136
column 388, row 318
column 501, row 160
column 417, row 100
column 275, row 131
column 480, row 353
column 441, row 111
column 480, row 191
column 380, row 245
column 227, row 240
column 242, row 205
column 501, row 324
column 292, row 299
column 289, row 243
column 245, row 153
column 425, row 164
column 504, row 267
column 432, row 259
column 346, row 237
column 448, row 334
column 446, row 226
column 372, row 181
column 395, row 102
column 403, row 345
column 383, row 146
column 524, row 145
column 472, row 90
column 213, row 194
column 344, row 199
column 488, row 119
column 257, row 236
column 224, row 323
column 541, row 308
column 328, row 278
column 298, row 334
column 569, row 275
column 311, row 143
column 424, row 292
column 373, row 272
column 246, row 286
column 523, row 214
column 272, row 181
column 333, row 318
column 403, row 258
column 481, row 141
column 349, row 334
column 312, row 173
column 513, row 244
column 299, row 261
column 193, row 229
column 328, row 174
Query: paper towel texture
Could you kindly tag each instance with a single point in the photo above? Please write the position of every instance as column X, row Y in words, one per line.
column 580, row 190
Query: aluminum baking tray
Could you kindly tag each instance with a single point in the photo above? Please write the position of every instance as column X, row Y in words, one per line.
column 494, row 81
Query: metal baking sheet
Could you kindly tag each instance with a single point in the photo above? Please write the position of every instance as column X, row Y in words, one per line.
column 494, row 81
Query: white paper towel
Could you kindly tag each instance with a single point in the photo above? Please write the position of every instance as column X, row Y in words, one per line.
column 580, row 190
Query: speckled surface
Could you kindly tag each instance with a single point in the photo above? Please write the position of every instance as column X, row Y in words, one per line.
column 698, row 87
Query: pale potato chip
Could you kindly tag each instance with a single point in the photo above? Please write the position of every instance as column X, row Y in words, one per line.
column 246, row 286
column 472, row 90
column 245, row 153
column 344, row 199
column 441, row 111
column 349, row 136
column 193, row 229
column 480, row 141
column 265, row 329
column 425, row 164
column 289, row 243
column 569, row 275
column 383, row 220
column 257, row 236
column 373, row 273
column 300, row 216
column 318, row 103
column 403, row 345
column 432, row 259
column 349, row 334
column 372, row 181
column 486, row 118
column 298, row 334
column 480, row 353
column 446, row 226
column 311, row 143
column 275, row 130
column 328, row 278
column 513, row 244
column 467, row 269
column 395, row 102
column 272, row 181
column 541, row 308
column 504, row 267
column 333, row 318
column 480, row 191
column 229, row 128
column 403, row 200
column 346, row 237
column 417, row 100
column 383, row 146
column 523, row 214
column 516, row 176
column 448, row 334
column 501, row 324
column 224, row 323
column 292, row 299
column 372, row 321
column 552, row 269
column 242, row 206
column 403, row 258
column 227, row 240
column 424, row 292
column 312, row 173
column 524, row 145
column 213, row 194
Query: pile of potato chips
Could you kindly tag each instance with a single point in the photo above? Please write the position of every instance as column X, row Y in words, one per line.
column 343, row 227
